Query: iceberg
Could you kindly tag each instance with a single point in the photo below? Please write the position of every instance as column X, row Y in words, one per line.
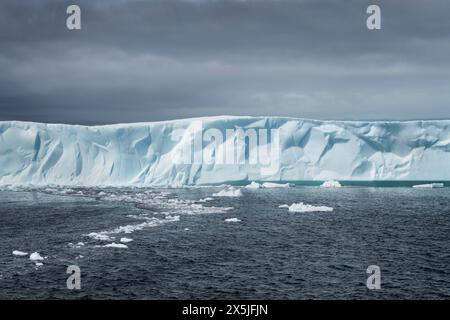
column 232, row 220
column 116, row 245
column 303, row 207
column 19, row 253
column 253, row 185
column 125, row 240
column 429, row 186
column 154, row 154
column 35, row 256
column 231, row 192
column 271, row 185
column 331, row 184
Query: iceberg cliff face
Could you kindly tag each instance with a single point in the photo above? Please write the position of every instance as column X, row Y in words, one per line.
column 149, row 153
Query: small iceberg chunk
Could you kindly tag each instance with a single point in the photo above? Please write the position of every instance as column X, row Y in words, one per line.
column 116, row 245
column 125, row 240
column 331, row 184
column 35, row 256
column 19, row 253
column 253, row 185
column 275, row 185
column 205, row 199
column 232, row 220
column 231, row 192
column 429, row 186
column 303, row 207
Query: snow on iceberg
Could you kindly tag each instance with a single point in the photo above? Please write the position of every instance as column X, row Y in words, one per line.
column 231, row 192
column 429, row 186
column 331, row 184
column 303, row 207
column 143, row 154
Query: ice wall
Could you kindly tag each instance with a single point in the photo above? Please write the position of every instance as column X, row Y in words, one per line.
column 146, row 153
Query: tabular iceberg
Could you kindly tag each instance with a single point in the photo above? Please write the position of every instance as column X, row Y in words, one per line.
column 146, row 153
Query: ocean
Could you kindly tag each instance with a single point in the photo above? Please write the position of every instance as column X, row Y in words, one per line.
column 188, row 244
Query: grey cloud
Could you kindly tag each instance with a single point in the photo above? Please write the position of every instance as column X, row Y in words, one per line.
column 164, row 59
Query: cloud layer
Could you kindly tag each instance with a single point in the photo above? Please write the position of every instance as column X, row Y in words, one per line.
column 165, row 59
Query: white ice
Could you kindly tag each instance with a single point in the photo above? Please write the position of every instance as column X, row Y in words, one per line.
column 116, row 245
column 429, row 186
column 275, row 185
column 19, row 253
column 232, row 220
column 253, row 185
column 231, row 192
column 302, row 207
column 331, row 184
column 125, row 240
column 35, row 256
column 142, row 154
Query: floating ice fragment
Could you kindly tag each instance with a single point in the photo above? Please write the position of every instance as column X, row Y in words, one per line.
column 116, row 245
column 429, row 186
column 35, row 256
column 302, row 207
column 331, row 184
column 253, row 185
column 19, row 253
column 270, row 185
column 231, row 192
column 125, row 240
column 232, row 220
column 100, row 236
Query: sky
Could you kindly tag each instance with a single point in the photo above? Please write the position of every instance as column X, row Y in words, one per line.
column 136, row 60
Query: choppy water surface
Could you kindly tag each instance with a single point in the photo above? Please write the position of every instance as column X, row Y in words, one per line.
column 184, row 248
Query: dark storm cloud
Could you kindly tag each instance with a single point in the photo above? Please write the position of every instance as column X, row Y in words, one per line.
column 153, row 60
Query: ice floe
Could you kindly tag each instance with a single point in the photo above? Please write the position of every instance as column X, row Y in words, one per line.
column 270, row 185
column 253, row 185
column 231, row 192
column 303, row 207
column 429, row 186
column 205, row 199
column 35, row 256
column 331, row 184
column 19, row 253
column 232, row 220
column 116, row 245
column 125, row 240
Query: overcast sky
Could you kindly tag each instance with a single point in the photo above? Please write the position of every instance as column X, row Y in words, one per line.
column 166, row 59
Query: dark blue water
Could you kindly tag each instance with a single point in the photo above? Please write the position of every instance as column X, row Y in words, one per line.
column 184, row 249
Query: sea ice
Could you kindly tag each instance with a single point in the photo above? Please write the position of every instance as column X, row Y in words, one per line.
column 205, row 199
column 275, row 185
column 125, row 240
column 302, row 207
column 231, row 192
column 35, row 256
column 331, row 184
column 232, row 220
column 429, row 186
column 19, row 253
column 142, row 154
column 253, row 185
column 116, row 245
